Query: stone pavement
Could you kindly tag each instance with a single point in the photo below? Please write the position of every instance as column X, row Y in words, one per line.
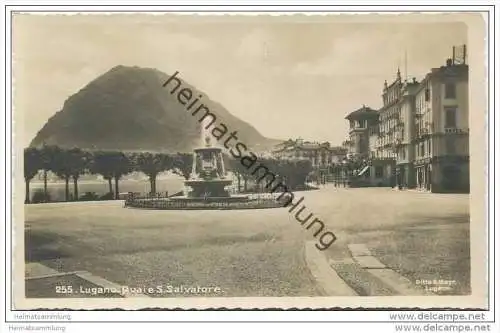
column 359, row 274
column 44, row 282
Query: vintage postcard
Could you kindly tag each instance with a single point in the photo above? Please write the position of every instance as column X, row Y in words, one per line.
column 267, row 161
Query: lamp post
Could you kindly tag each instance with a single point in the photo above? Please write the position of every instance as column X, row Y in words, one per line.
column 344, row 172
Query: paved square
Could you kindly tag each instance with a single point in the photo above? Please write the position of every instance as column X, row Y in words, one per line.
column 255, row 252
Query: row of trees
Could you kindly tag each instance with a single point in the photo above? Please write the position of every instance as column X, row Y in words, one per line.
column 70, row 164
column 293, row 173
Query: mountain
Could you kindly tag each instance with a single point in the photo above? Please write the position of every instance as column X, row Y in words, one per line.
column 127, row 108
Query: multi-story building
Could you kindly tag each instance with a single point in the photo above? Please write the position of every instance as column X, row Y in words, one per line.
column 359, row 123
column 420, row 136
column 321, row 155
column 364, row 136
column 390, row 126
column 405, row 132
column 441, row 141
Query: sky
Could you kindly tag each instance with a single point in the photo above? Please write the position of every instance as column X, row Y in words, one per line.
column 293, row 76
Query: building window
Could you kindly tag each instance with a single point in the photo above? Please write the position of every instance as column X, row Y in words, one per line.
column 427, row 95
column 403, row 153
column 429, row 147
column 450, row 120
column 450, row 90
column 422, row 149
column 379, row 172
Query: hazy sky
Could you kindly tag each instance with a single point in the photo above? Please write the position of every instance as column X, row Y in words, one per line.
column 288, row 77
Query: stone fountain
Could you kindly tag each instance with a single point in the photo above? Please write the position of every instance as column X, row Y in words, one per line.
column 208, row 177
column 207, row 184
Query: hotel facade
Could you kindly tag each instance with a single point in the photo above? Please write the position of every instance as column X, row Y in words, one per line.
column 321, row 155
column 441, row 122
column 419, row 138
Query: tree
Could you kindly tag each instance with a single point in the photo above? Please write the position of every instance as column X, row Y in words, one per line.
column 47, row 159
column 183, row 164
column 294, row 172
column 235, row 166
column 102, row 163
column 70, row 164
column 32, row 163
column 152, row 165
column 80, row 161
column 262, row 184
column 121, row 166
column 63, row 166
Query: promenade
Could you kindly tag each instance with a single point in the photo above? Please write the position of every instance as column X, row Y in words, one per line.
column 420, row 236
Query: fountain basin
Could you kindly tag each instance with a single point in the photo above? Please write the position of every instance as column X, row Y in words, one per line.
column 209, row 203
column 207, row 183
column 212, row 188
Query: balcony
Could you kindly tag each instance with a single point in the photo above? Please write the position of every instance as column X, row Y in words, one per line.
column 393, row 116
column 423, row 132
column 453, row 130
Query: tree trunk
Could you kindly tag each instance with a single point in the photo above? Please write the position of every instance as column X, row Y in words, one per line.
column 66, row 180
column 116, row 188
column 110, row 185
column 27, row 197
column 45, row 185
column 239, row 182
column 152, row 182
column 245, row 187
column 75, row 188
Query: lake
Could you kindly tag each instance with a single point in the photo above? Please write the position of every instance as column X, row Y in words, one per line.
column 57, row 189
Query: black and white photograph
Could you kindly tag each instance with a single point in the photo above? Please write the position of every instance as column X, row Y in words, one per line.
column 249, row 161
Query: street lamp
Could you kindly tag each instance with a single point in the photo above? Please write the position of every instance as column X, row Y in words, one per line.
column 344, row 171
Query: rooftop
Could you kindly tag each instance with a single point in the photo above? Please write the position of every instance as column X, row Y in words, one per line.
column 299, row 144
column 363, row 112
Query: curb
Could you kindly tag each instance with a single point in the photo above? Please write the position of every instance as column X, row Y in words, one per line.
column 331, row 283
column 363, row 256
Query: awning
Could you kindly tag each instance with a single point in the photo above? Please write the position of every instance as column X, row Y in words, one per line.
column 364, row 170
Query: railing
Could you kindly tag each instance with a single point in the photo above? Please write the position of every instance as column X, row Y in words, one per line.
column 452, row 130
column 423, row 132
